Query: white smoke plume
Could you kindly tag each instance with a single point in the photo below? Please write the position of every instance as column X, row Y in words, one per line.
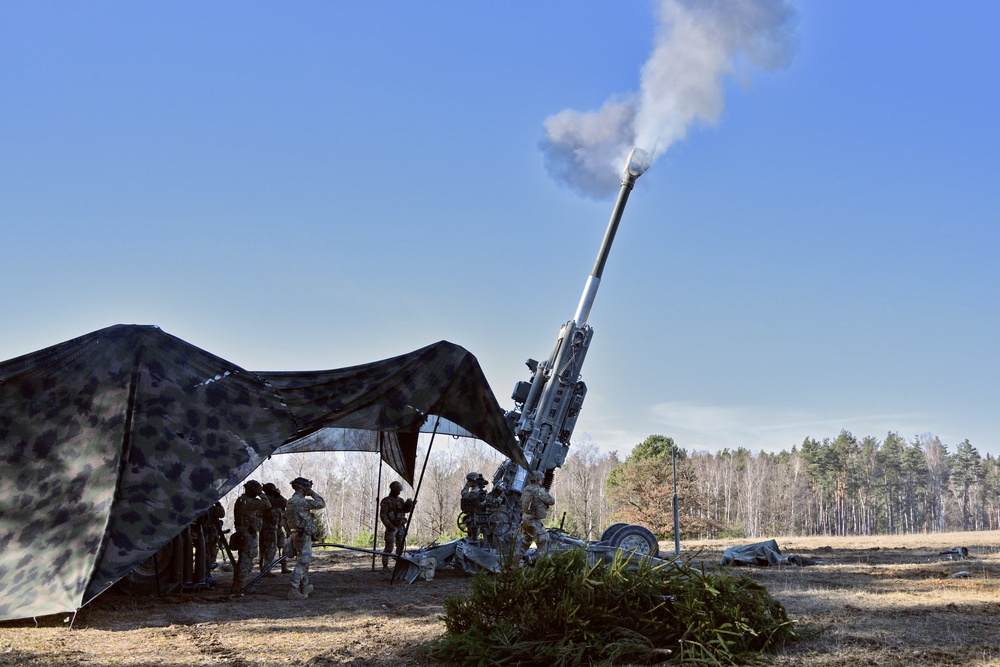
column 698, row 43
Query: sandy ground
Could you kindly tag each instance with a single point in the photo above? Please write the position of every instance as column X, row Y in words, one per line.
column 866, row 603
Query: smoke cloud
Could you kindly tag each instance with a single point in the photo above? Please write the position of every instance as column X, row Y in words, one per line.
column 698, row 43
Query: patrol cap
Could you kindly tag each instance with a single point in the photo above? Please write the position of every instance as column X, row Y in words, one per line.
column 302, row 482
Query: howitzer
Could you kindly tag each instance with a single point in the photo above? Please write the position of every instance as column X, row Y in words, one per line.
column 546, row 410
column 548, row 404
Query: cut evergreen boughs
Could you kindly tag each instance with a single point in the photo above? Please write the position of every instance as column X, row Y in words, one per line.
column 568, row 611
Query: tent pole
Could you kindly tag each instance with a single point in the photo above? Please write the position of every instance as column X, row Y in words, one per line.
column 378, row 491
column 416, row 492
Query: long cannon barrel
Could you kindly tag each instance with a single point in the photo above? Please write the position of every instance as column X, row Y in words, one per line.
column 546, row 409
column 550, row 403
column 638, row 161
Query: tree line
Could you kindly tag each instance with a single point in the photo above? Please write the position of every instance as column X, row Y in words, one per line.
column 837, row 486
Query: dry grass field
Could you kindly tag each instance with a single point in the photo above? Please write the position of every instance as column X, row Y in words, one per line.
column 870, row 601
column 887, row 600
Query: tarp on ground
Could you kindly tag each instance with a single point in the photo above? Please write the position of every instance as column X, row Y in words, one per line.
column 761, row 554
column 112, row 443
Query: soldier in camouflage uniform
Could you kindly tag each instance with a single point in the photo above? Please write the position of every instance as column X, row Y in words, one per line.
column 211, row 527
column 473, row 497
column 248, row 518
column 271, row 533
column 300, row 526
column 392, row 511
column 535, row 504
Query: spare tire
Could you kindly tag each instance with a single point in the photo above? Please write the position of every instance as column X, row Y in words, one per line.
column 637, row 539
column 609, row 532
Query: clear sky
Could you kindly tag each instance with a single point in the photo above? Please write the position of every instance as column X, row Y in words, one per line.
column 315, row 185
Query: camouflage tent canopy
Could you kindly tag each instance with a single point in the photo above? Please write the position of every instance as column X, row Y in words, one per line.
column 112, row 443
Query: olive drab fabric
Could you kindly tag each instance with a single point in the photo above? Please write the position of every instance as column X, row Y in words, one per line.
column 114, row 442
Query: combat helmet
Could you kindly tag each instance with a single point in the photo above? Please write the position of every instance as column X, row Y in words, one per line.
column 302, row 483
column 396, row 486
column 472, row 476
column 253, row 486
column 537, row 476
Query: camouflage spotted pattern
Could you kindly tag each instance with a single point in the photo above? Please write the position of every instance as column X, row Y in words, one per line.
column 114, row 442
column 403, row 395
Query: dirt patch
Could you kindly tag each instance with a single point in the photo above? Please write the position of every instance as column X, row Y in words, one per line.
column 354, row 616
column 864, row 604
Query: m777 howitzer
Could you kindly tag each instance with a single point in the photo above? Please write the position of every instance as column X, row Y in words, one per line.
column 546, row 410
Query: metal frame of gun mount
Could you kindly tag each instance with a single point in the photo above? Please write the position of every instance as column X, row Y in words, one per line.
column 546, row 410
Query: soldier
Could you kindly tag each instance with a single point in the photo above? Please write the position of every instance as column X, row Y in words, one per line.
column 535, row 504
column 473, row 496
column 211, row 528
column 248, row 518
column 301, row 528
column 392, row 511
column 271, row 533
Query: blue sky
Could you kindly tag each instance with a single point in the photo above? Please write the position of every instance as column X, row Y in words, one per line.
column 321, row 184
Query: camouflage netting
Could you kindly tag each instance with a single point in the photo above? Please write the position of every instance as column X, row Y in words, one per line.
column 112, row 443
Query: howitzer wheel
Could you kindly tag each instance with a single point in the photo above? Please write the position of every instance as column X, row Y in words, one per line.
column 637, row 539
column 143, row 579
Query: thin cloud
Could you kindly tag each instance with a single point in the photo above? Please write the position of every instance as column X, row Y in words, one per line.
column 714, row 427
